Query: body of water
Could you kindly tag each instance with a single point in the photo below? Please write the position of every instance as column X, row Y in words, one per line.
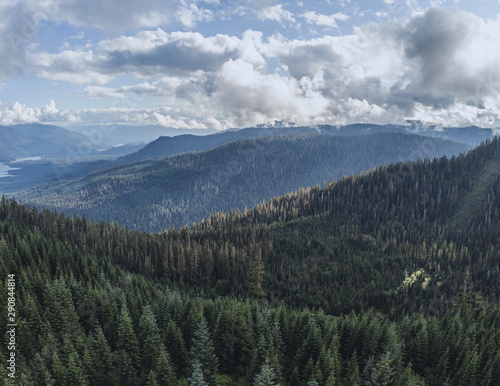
column 4, row 170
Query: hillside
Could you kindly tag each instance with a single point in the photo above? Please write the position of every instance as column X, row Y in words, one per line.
column 179, row 190
column 367, row 280
column 36, row 140
column 12, row 143
column 166, row 146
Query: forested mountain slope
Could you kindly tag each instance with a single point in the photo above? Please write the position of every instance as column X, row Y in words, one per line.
column 100, row 304
column 166, row 146
column 179, row 190
column 36, row 140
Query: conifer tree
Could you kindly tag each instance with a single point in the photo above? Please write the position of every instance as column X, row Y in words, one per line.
column 384, row 370
column 41, row 374
column 166, row 374
column 73, row 374
column 197, row 377
column 127, row 339
column 150, row 339
column 256, row 277
column 176, row 347
column 266, row 376
column 57, row 369
column 101, row 356
column 151, row 379
column 203, row 352
column 124, row 371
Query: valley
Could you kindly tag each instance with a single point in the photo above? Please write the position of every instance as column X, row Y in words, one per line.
column 364, row 279
column 250, row 193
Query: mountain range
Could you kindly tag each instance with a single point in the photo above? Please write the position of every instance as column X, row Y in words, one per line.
column 165, row 146
column 157, row 194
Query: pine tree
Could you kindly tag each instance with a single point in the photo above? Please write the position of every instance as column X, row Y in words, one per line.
column 73, row 374
column 166, row 374
column 34, row 323
column 176, row 347
column 125, row 373
column 409, row 378
column 312, row 344
column 256, row 277
column 127, row 340
column 150, row 339
column 197, row 378
column 384, row 370
column 203, row 352
column 102, row 357
column 266, row 377
column 57, row 369
column 151, row 379
column 41, row 375
column 353, row 374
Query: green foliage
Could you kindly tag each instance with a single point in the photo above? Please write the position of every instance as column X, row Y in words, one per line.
column 202, row 353
column 100, row 304
column 197, row 377
column 266, row 377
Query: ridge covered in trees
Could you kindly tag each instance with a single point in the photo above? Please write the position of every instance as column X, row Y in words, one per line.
column 159, row 194
column 390, row 278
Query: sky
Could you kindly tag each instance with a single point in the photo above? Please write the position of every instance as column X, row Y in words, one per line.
column 238, row 63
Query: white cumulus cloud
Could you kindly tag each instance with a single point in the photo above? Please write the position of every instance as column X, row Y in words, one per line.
column 20, row 113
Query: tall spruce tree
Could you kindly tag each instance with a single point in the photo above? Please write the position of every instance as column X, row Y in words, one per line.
column 203, row 352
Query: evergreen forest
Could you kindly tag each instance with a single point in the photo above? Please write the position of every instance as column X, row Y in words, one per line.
column 391, row 277
column 178, row 190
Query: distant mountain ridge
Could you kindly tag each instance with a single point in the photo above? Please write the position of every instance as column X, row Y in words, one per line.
column 181, row 189
column 37, row 140
column 166, row 146
column 72, row 154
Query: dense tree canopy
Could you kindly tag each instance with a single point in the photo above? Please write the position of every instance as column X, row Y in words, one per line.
column 390, row 278
column 155, row 195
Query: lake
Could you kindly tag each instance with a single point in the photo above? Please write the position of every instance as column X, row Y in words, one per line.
column 4, row 168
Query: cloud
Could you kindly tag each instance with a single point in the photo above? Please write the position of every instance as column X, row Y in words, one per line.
column 313, row 17
column 98, row 92
column 455, row 55
column 111, row 15
column 77, row 67
column 439, row 64
column 168, row 121
column 190, row 14
column 18, row 29
column 436, row 60
column 248, row 95
column 162, row 87
column 21, row 19
column 178, row 53
column 149, row 53
column 275, row 13
column 20, row 113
